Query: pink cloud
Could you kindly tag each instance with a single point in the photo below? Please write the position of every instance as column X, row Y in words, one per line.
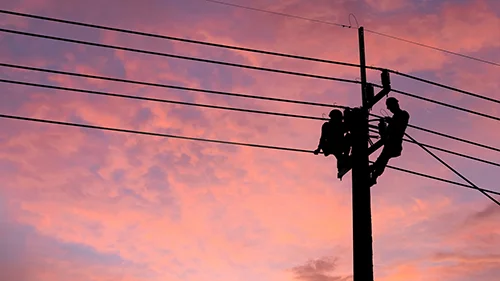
column 207, row 211
column 388, row 5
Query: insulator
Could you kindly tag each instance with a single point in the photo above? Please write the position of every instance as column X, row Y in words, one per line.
column 386, row 80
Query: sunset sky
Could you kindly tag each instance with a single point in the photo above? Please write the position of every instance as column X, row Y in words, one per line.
column 80, row 204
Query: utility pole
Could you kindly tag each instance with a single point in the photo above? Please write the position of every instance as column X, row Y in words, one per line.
column 361, row 197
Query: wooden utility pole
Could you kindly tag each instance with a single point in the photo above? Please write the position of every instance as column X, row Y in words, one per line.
column 361, row 197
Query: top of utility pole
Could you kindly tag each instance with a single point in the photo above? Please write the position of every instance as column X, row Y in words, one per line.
column 362, row 62
column 361, row 195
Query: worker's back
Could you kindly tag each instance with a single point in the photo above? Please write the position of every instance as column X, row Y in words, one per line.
column 397, row 127
column 333, row 131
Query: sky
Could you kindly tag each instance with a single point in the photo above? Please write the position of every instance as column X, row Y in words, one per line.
column 81, row 204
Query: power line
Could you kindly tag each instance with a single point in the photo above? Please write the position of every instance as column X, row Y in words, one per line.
column 444, row 86
column 236, row 65
column 443, row 104
column 453, row 170
column 455, row 153
column 232, row 95
column 176, row 56
column 349, row 26
column 219, row 142
column 446, row 151
column 109, row 94
column 128, row 81
column 279, row 14
column 448, row 105
column 242, row 49
column 373, row 130
column 448, row 136
column 99, row 93
column 434, row 48
column 437, row 178
column 178, row 39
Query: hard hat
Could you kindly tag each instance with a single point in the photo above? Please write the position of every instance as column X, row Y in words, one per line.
column 391, row 100
column 335, row 114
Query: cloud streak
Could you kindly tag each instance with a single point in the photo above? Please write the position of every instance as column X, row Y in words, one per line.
column 91, row 205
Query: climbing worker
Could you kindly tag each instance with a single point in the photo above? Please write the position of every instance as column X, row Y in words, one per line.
column 333, row 139
column 392, row 137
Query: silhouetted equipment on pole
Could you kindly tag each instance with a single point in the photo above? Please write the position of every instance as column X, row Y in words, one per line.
column 356, row 126
column 335, row 139
column 391, row 137
column 361, row 198
column 386, row 88
column 370, row 93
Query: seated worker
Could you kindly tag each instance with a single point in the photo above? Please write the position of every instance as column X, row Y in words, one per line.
column 333, row 139
column 392, row 137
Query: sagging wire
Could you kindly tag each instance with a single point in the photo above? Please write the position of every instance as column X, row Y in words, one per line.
column 349, row 18
column 453, row 170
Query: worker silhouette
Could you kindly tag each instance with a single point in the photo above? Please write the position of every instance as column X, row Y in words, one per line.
column 334, row 139
column 392, row 137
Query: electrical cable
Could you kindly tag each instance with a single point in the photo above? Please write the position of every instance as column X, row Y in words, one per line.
column 128, row 81
column 278, row 13
column 373, row 130
column 438, row 179
column 244, row 49
column 219, row 142
column 232, row 95
column 74, row 41
column 448, row 136
column 152, row 35
column 241, row 49
column 443, row 104
column 99, row 93
column 368, row 30
column 454, row 153
column 444, row 86
column 241, row 66
column 109, row 94
column 453, row 170
column 433, row 48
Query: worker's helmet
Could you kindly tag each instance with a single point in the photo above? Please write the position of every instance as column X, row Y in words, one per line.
column 335, row 114
column 391, row 100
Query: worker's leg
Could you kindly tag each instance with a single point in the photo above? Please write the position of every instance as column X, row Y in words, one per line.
column 346, row 149
column 382, row 129
column 327, row 149
column 340, row 159
column 379, row 166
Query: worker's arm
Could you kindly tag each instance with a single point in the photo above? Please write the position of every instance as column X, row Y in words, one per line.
column 322, row 139
column 400, row 123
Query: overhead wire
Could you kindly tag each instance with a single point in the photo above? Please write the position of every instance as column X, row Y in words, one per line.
column 70, row 124
column 74, row 41
column 368, row 30
column 263, row 69
column 373, row 130
column 116, row 95
column 279, row 14
column 444, row 86
column 438, row 178
column 239, row 95
column 243, row 66
column 455, row 153
column 454, row 171
column 167, row 86
column 228, row 108
column 488, row 147
column 401, row 92
column 434, row 48
column 172, row 38
column 488, row 116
